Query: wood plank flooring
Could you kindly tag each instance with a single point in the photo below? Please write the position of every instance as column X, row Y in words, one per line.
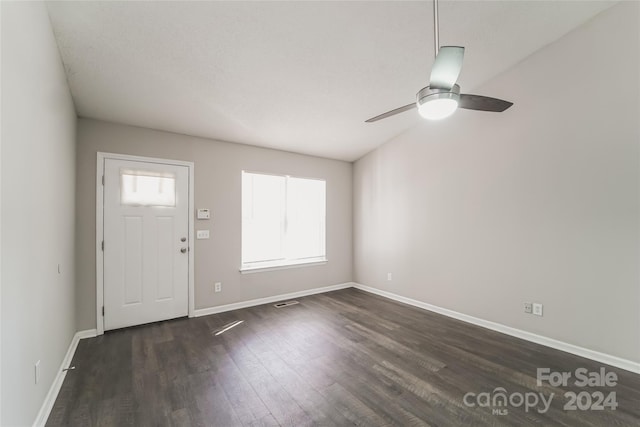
column 336, row 359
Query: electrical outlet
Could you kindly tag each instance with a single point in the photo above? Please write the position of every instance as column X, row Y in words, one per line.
column 36, row 372
column 217, row 287
column 528, row 307
column 389, row 277
column 537, row 309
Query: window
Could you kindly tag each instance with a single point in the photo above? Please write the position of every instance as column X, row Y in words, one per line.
column 144, row 188
column 283, row 221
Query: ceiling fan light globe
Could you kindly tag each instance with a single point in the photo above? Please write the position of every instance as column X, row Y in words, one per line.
column 438, row 108
column 436, row 103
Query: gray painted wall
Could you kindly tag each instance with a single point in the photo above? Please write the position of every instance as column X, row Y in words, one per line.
column 38, row 210
column 482, row 212
column 218, row 167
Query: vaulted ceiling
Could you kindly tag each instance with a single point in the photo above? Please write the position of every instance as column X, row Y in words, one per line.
column 297, row 76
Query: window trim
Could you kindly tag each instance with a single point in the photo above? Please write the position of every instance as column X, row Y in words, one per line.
column 284, row 265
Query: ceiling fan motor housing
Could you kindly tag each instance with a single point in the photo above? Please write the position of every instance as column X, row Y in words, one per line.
column 427, row 94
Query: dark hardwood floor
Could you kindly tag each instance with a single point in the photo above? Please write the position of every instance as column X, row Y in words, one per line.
column 336, row 359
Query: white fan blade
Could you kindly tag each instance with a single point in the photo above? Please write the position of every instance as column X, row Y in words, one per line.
column 446, row 67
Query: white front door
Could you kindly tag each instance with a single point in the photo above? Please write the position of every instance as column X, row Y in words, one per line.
column 146, row 242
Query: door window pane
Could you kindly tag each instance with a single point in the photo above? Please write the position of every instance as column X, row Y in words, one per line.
column 145, row 188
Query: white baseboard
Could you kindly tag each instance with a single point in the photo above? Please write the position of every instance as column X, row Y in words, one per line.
column 618, row 362
column 89, row 333
column 267, row 300
column 50, row 399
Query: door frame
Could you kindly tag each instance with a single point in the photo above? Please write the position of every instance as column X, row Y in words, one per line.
column 101, row 157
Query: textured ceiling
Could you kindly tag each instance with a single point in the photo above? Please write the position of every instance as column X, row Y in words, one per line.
column 296, row 76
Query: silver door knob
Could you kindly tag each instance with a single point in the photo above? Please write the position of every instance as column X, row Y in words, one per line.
column 183, row 250
column 183, row 239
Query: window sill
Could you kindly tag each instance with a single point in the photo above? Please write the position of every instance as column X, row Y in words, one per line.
column 249, row 270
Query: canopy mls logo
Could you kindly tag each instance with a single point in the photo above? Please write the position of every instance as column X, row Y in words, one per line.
column 500, row 401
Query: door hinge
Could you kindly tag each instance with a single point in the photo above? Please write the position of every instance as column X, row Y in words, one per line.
column 102, row 179
column 103, row 311
column 102, row 246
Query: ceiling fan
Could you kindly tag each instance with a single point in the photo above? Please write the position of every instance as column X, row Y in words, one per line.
column 442, row 97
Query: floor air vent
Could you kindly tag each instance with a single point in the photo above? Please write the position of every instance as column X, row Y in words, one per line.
column 285, row 304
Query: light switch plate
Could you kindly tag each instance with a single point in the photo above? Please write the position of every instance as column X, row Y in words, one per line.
column 202, row 234
column 204, row 214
